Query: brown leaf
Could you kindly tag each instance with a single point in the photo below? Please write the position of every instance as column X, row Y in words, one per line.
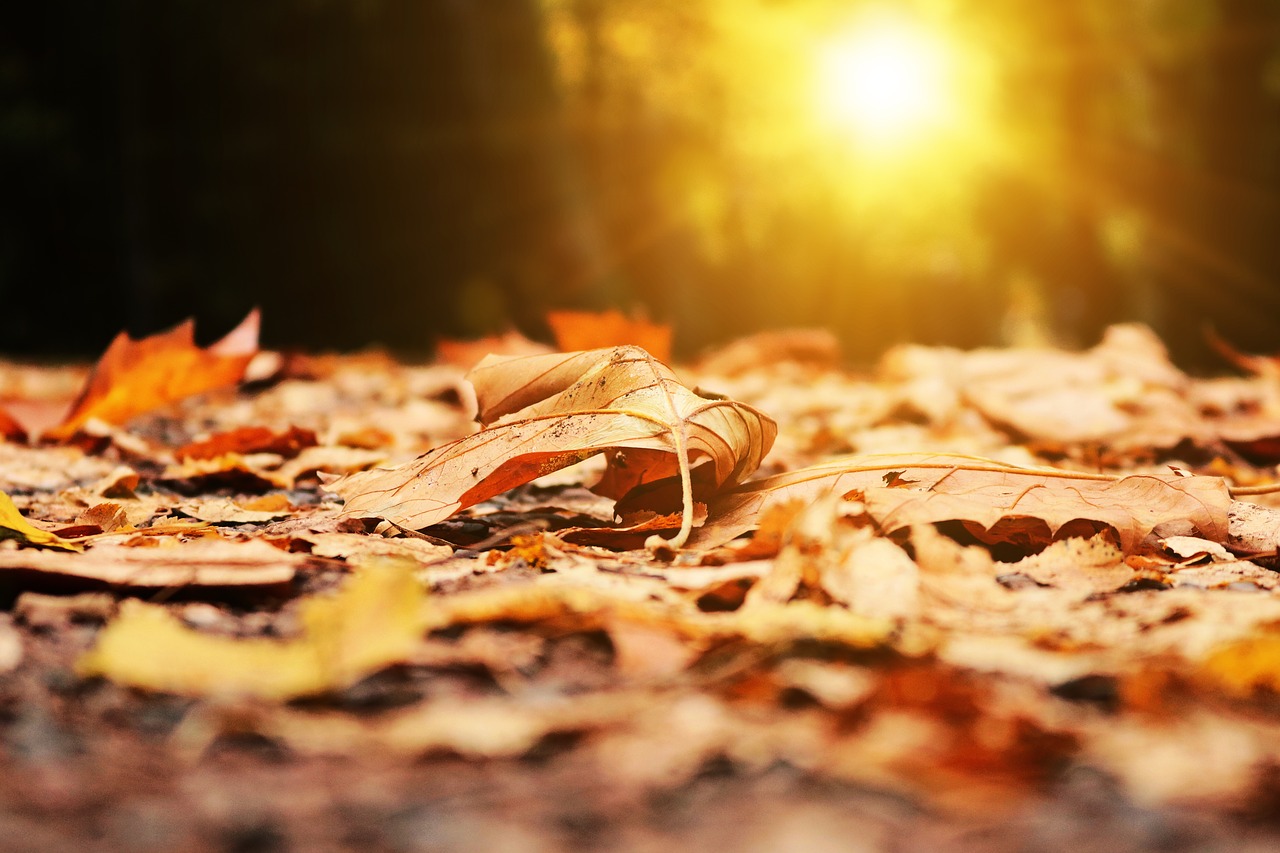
column 588, row 330
column 816, row 348
column 135, row 377
column 982, row 491
column 203, row 562
column 546, row 412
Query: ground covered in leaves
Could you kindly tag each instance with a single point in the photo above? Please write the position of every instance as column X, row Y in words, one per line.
column 990, row 600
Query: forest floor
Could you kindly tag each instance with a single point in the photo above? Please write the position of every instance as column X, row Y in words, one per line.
column 1026, row 600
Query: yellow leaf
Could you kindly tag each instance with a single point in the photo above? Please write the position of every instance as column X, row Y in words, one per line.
column 1246, row 666
column 14, row 526
column 376, row 620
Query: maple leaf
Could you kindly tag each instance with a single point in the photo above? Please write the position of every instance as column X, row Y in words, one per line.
column 930, row 488
column 547, row 412
column 587, row 330
column 135, row 377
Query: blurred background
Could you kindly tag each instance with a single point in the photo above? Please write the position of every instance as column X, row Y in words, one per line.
column 957, row 172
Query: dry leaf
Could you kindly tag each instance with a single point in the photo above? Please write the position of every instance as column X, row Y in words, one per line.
column 1084, row 566
column 228, row 511
column 14, row 526
column 940, row 487
column 10, row 429
column 246, row 440
column 588, row 330
column 467, row 354
column 204, row 562
column 815, row 348
column 135, row 377
column 546, row 412
column 1247, row 666
column 374, row 621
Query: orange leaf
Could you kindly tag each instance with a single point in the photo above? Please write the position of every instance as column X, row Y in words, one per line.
column 250, row 439
column 467, row 354
column 10, row 429
column 135, row 377
column 587, row 330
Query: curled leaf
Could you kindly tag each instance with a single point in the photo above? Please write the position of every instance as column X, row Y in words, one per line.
column 547, row 412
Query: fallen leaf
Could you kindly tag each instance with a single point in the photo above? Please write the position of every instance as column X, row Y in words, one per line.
column 135, row 377
column 10, row 429
column 108, row 517
column 228, row 511
column 14, row 526
column 982, row 491
column 244, row 440
column 1079, row 565
column 546, row 412
column 1253, row 529
column 1246, row 666
column 358, row 547
column 375, row 620
column 815, row 348
column 467, row 354
column 207, row 562
column 588, row 330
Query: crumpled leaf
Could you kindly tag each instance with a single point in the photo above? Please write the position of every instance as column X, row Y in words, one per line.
column 377, row 619
column 930, row 488
column 14, row 526
column 587, row 330
column 135, row 377
column 543, row 413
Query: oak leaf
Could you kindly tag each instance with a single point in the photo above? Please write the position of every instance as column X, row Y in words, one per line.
column 135, row 377
column 546, row 412
column 932, row 488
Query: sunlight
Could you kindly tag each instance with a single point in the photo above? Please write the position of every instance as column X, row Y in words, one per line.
column 886, row 82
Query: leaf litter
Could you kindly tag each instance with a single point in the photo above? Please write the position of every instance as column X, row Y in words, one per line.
column 931, row 587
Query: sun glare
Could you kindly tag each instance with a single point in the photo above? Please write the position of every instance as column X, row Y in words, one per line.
column 885, row 82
